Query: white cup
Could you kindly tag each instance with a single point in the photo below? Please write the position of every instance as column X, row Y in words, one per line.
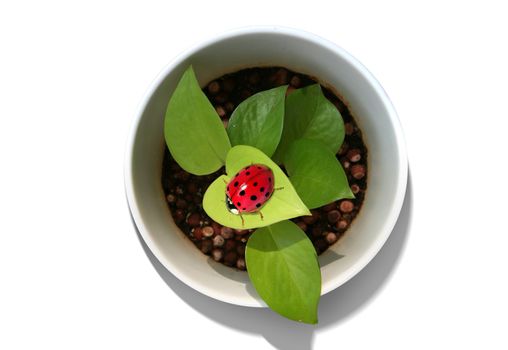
column 301, row 52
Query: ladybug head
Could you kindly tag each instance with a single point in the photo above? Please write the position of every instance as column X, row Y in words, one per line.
column 231, row 207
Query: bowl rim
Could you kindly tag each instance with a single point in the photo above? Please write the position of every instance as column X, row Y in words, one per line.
column 396, row 206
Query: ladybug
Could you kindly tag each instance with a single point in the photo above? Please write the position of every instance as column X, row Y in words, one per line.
column 250, row 189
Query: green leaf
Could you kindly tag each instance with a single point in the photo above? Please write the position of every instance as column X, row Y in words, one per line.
column 283, row 204
column 316, row 174
column 283, row 267
column 194, row 133
column 310, row 115
column 258, row 120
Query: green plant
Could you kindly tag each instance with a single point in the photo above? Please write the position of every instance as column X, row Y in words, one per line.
column 302, row 132
column 194, row 134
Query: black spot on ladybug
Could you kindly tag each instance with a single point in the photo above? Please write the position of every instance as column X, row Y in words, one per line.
column 258, row 205
column 255, row 184
column 259, row 167
column 247, row 173
column 244, row 209
column 262, row 189
column 247, row 167
column 236, row 183
column 242, row 193
column 253, row 198
column 267, row 194
column 269, row 179
column 238, row 204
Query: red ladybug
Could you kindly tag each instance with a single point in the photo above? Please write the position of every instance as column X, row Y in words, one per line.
column 249, row 190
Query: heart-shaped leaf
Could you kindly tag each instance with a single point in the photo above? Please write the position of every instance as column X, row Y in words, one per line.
column 194, row 133
column 258, row 120
column 310, row 115
column 283, row 267
column 316, row 174
column 283, row 204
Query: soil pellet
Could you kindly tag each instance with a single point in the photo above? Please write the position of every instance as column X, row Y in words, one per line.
column 179, row 190
column 240, row 264
column 354, row 155
column 206, row 246
column 207, row 231
column 343, row 149
column 333, row 216
column 171, row 198
column 240, row 250
column 213, row 88
column 280, row 77
column 194, row 220
column 346, row 206
column 184, row 191
column 216, row 228
column 226, row 232
column 229, row 107
column 348, row 128
column 197, row 233
column 321, row 245
column 358, row 171
column 181, row 204
column 216, row 253
column 342, row 224
column 330, row 206
column 218, row 241
column 179, row 215
column 295, row 81
column 230, row 245
column 331, row 238
column 317, row 231
column 309, row 220
column 230, row 258
column 220, row 111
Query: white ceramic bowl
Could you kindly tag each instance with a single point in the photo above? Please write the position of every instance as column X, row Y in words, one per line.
column 301, row 52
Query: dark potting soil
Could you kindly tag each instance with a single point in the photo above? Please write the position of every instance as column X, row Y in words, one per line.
column 184, row 191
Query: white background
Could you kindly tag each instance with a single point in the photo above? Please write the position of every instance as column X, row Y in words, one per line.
column 73, row 272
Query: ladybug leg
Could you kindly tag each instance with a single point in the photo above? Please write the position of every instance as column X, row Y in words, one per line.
column 261, row 215
column 225, row 181
column 243, row 221
column 278, row 188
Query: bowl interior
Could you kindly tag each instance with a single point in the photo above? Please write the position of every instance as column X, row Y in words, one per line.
column 302, row 53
